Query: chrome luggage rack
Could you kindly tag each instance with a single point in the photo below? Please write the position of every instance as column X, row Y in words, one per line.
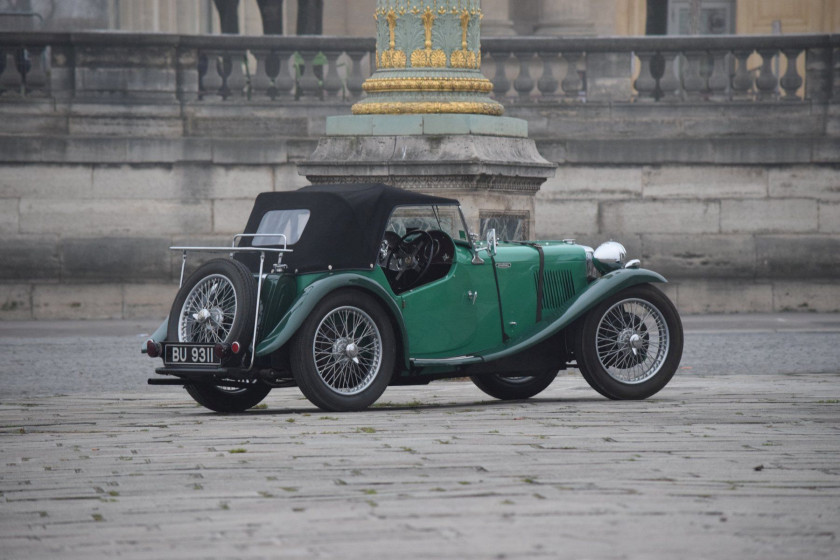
column 277, row 267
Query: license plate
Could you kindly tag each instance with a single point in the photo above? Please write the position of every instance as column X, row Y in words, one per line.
column 190, row 355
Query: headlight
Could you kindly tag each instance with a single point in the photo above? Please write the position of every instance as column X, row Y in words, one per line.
column 609, row 256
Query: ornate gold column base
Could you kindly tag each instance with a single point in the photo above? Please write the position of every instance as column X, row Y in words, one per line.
column 411, row 107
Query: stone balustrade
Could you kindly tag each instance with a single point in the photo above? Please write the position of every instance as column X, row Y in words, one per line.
column 666, row 69
column 151, row 67
column 158, row 67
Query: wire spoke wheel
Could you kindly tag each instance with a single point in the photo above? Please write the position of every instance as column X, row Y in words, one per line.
column 347, row 350
column 632, row 341
column 343, row 355
column 629, row 346
column 208, row 312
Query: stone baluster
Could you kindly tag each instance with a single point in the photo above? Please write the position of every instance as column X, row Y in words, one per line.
column 719, row 79
column 235, row 76
column 11, row 80
column 261, row 79
column 645, row 84
column 501, row 83
column 36, row 75
column 332, row 81
column 572, row 84
column 213, row 79
column 524, row 83
column 742, row 81
column 547, row 84
column 308, row 85
column 767, row 82
column 354, row 77
column 693, row 82
column 284, row 83
column 791, row 81
column 669, row 83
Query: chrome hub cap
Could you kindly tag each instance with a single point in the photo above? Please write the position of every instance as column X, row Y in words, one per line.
column 347, row 349
column 632, row 341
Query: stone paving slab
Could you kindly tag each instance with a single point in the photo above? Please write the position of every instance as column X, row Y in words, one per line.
column 726, row 466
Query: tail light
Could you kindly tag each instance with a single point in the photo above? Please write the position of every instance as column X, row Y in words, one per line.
column 153, row 349
column 223, row 351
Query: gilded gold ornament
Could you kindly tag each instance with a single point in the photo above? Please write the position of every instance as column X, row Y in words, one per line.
column 463, row 59
column 461, row 85
column 428, row 58
column 392, row 59
column 415, row 107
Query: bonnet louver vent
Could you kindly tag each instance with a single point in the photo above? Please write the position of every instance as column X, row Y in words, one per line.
column 558, row 288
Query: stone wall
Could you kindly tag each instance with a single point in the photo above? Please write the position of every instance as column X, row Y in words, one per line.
column 737, row 202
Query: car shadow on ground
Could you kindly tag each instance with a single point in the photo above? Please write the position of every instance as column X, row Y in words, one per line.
column 387, row 407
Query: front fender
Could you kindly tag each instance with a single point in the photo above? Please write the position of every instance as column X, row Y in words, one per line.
column 575, row 308
column 314, row 293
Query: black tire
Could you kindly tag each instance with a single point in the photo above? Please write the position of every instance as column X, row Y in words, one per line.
column 629, row 346
column 509, row 387
column 343, row 355
column 226, row 291
column 228, row 399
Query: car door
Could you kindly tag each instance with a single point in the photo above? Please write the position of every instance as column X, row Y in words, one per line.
column 455, row 315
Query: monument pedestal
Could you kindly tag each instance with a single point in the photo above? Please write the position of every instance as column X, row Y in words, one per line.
column 428, row 124
column 488, row 163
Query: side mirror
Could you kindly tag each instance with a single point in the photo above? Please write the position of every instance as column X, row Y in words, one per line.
column 491, row 242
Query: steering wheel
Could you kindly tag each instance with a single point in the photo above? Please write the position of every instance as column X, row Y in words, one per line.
column 412, row 257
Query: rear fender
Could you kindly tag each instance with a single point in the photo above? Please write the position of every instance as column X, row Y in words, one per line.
column 595, row 292
column 313, row 294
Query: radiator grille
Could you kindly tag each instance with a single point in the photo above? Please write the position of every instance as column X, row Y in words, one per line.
column 558, row 288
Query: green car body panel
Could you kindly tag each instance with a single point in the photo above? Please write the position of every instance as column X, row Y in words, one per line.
column 555, row 320
column 456, row 314
column 311, row 289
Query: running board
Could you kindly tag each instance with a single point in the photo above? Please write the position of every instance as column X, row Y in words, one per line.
column 456, row 361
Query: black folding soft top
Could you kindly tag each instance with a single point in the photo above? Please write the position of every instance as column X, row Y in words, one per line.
column 345, row 227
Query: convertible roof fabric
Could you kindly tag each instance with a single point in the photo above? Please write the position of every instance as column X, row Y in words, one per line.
column 345, row 228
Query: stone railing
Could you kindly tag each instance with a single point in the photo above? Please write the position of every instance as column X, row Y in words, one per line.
column 668, row 69
column 157, row 67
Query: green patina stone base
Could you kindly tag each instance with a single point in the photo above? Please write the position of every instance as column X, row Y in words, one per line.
column 426, row 124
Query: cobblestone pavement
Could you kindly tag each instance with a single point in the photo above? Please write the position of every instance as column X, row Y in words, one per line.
column 715, row 466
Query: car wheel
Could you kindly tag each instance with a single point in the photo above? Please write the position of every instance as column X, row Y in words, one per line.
column 217, row 304
column 343, row 355
column 510, row 387
column 629, row 345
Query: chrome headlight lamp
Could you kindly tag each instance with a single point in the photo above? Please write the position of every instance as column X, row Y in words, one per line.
column 609, row 256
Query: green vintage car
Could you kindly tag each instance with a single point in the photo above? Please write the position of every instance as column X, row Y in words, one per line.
column 343, row 290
